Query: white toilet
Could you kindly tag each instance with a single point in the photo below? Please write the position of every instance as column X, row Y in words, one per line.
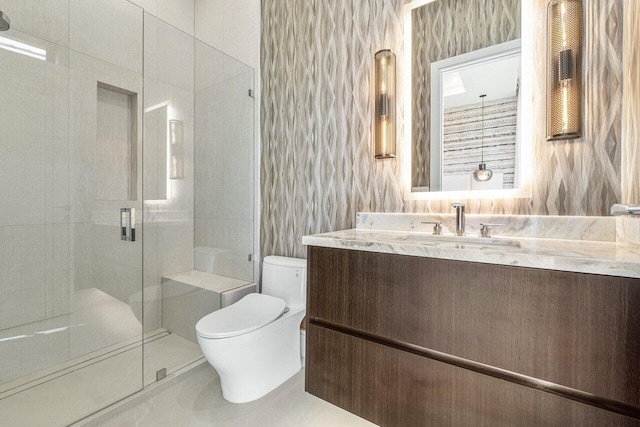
column 254, row 344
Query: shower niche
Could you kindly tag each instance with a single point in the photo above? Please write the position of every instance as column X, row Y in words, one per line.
column 116, row 143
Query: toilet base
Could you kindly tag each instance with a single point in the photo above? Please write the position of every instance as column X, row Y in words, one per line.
column 253, row 364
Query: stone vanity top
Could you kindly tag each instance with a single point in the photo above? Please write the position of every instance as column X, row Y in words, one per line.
column 604, row 256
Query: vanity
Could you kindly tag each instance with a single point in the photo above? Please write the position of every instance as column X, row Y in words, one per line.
column 411, row 324
column 410, row 329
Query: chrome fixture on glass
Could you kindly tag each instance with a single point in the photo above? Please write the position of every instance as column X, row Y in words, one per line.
column 459, row 218
column 482, row 174
column 128, row 224
column 564, row 69
column 385, row 100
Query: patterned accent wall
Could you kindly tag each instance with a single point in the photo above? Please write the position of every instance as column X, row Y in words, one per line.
column 317, row 166
column 444, row 29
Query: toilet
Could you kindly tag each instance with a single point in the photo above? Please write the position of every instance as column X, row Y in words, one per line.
column 254, row 344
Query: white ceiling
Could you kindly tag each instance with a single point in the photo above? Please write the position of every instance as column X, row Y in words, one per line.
column 497, row 79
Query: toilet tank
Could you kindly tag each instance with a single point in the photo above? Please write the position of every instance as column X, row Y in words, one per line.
column 285, row 278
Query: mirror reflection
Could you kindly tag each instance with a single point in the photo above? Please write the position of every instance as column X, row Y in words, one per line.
column 474, row 120
column 155, row 143
column 461, row 50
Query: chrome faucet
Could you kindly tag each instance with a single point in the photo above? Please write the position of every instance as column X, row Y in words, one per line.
column 617, row 210
column 459, row 218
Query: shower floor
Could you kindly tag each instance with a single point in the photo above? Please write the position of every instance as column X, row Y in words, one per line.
column 76, row 391
column 104, row 364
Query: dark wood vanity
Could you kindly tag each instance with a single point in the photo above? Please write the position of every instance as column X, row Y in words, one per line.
column 414, row 341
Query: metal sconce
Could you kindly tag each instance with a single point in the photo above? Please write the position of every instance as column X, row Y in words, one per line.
column 176, row 135
column 564, row 69
column 385, row 111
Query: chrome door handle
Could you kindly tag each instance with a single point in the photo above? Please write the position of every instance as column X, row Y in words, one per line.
column 128, row 224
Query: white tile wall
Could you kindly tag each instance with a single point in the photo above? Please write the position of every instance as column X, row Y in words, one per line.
column 48, row 20
column 178, row 13
column 231, row 26
column 168, row 242
column 23, row 274
column 209, row 21
column 224, row 165
column 234, row 27
column 33, row 149
column 209, row 62
column 209, row 159
column 238, row 148
column 108, row 30
column 168, row 54
column 58, row 267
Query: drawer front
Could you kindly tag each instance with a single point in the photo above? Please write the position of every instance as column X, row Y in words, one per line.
column 577, row 330
column 395, row 388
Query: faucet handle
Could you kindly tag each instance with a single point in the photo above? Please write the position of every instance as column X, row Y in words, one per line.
column 485, row 230
column 457, row 205
column 437, row 227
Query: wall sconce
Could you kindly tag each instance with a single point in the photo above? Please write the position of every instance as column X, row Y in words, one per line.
column 564, row 69
column 385, row 99
column 176, row 138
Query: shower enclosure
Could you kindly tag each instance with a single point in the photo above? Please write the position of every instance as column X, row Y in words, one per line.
column 125, row 143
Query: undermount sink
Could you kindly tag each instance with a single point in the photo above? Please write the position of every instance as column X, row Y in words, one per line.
column 460, row 241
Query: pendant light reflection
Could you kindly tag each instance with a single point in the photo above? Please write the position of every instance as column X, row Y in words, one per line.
column 385, row 110
column 482, row 174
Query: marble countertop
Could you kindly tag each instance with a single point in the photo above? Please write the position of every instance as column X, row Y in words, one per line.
column 582, row 256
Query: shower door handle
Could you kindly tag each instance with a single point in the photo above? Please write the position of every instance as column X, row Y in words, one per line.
column 128, row 224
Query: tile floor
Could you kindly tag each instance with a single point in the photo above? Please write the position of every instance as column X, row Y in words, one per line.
column 197, row 401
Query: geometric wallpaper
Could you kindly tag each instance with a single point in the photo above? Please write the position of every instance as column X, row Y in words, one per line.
column 317, row 164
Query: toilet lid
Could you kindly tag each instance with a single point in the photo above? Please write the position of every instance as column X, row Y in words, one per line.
column 250, row 313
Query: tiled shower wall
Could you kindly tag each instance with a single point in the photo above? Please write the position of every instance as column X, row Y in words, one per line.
column 317, row 167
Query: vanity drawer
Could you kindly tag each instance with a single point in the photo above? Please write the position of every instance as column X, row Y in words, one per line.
column 577, row 330
column 397, row 388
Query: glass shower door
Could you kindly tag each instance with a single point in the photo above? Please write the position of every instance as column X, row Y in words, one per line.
column 71, row 156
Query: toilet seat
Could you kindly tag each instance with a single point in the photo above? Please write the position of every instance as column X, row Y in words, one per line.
column 250, row 313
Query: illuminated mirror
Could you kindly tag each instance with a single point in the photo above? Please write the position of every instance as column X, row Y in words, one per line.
column 456, row 51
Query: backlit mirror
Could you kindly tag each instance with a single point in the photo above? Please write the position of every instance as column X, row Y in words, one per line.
column 467, row 99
